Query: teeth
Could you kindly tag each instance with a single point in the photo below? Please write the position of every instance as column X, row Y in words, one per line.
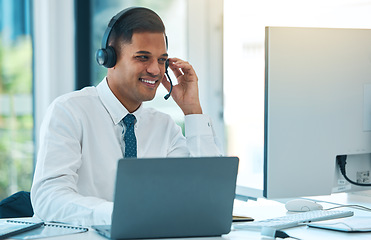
column 148, row 81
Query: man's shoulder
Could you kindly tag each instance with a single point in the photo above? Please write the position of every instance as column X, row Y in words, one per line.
column 77, row 101
column 85, row 94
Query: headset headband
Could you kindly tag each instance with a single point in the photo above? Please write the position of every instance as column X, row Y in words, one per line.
column 112, row 23
column 106, row 56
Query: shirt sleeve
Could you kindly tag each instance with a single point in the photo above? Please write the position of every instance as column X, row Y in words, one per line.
column 200, row 136
column 54, row 192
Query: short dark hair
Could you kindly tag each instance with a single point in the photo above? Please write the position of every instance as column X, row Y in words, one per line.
column 135, row 20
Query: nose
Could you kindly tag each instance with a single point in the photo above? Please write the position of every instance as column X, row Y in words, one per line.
column 154, row 68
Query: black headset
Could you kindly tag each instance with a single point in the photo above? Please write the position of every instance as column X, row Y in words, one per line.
column 106, row 56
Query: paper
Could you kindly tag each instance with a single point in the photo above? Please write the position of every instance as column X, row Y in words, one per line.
column 9, row 229
column 49, row 230
column 351, row 224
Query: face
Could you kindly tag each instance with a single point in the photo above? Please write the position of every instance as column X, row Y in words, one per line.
column 139, row 69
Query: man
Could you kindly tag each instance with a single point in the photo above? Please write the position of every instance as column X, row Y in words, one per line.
column 83, row 133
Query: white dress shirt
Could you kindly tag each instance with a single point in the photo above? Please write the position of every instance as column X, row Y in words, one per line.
column 81, row 142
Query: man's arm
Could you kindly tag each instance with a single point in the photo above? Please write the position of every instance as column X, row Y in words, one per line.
column 200, row 136
column 54, row 192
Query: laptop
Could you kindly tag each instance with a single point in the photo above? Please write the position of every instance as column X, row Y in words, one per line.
column 172, row 197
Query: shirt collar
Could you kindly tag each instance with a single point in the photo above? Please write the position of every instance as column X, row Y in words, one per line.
column 113, row 106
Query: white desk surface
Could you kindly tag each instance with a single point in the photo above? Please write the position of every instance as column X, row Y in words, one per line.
column 263, row 209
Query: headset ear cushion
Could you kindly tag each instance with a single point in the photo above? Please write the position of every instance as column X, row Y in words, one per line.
column 111, row 57
column 101, row 56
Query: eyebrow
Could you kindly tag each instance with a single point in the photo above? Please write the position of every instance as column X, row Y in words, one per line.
column 146, row 52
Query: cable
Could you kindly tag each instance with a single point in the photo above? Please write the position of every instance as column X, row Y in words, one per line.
column 341, row 160
column 360, row 207
column 338, row 205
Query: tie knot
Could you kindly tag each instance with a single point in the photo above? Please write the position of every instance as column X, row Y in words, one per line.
column 129, row 120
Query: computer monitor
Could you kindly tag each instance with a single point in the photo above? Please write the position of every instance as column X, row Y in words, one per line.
column 317, row 107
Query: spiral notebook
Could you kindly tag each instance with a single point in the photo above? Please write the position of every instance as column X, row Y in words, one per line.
column 9, row 229
column 47, row 230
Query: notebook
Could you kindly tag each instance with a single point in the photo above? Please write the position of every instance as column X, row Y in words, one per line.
column 172, row 197
column 44, row 230
column 9, row 229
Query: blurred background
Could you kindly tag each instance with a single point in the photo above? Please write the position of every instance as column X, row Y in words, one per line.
column 47, row 48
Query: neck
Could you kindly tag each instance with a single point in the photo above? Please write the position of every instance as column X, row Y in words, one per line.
column 131, row 106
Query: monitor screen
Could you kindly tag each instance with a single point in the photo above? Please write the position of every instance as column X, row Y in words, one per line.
column 317, row 107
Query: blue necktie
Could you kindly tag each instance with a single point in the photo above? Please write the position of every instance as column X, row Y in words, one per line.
column 129, row 137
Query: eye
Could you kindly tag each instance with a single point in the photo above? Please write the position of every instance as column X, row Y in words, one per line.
column 142, row 58
column 162, row 60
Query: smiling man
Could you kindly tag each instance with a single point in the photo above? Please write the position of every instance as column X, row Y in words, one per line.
column 139, row 69
column 83, row 134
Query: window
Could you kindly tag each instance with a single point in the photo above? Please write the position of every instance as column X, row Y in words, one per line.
column 244, row 23
column 16, row 98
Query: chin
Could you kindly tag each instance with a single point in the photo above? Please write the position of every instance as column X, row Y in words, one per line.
column 148, row 98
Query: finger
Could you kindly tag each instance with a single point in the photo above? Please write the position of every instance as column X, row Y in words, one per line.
column 185, row 66
column 174, row 68
column 176, row 71
column 179, row 63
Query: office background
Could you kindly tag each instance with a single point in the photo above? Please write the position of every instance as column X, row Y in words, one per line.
column 47, row 49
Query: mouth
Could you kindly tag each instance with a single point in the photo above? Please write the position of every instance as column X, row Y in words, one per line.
column 149, row 82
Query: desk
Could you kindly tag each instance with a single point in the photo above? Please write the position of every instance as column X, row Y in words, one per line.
column 263, row 209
